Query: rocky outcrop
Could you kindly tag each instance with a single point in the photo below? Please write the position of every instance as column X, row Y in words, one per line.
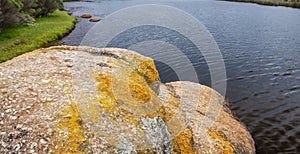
column 90, row 100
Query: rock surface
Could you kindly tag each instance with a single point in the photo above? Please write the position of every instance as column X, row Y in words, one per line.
column 30, row 19
column 94, row 19
column 86, row 15
column 90, row 100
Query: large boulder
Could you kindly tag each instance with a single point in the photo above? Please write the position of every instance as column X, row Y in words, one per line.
column 81, row 99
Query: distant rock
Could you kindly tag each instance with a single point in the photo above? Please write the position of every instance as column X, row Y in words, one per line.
column 86, row 15
column 95, row 19
column 81, row 99
column 30, row 19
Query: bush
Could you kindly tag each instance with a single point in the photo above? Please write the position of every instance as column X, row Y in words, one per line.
column 28, row 6
column 16, row 11
column 10, row 12
column 43, row 7
column 60, row 4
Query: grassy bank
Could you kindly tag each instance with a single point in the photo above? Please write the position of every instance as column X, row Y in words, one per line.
column 288, row 3
column 26, row 37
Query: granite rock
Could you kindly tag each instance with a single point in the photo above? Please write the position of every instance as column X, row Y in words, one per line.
column 67, row 99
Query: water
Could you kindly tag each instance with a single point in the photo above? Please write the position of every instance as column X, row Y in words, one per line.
column 261, row 50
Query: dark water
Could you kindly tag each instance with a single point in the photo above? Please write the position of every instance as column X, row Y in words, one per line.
column 261, row 50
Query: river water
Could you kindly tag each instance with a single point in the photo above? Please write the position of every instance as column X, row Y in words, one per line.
column 261, row 50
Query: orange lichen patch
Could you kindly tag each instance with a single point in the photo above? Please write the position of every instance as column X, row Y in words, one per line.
column 148, row 71
column 171, row 107
column 107, row 98
column 173, row 115
column 162, row 112
column 131, row 119
column 142, row 95
column 105, row 83
column 71, row 137
column 221, row 143
column 126, row 95
column 183, row 143
column 173, row 100
column 139, row 88
column 151, row 115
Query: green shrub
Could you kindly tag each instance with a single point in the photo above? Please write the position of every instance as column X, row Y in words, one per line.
column 40, row 8
column 16, row 11
column 10, row 13
column 60, row 4
column 44, row 7
column 28, row 6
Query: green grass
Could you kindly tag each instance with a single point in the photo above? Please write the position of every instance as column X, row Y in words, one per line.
column 287, row 3
column 25, row 37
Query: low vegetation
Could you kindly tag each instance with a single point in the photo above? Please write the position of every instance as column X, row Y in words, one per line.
column 15, row 11
column 288, row 3
column 24, row 37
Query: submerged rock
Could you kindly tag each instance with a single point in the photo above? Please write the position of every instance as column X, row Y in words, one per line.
column 90, row 100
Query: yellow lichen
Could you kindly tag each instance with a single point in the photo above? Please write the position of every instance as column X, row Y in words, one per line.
column 171, row 107
column 221, row 143
column 126, row 97
column 148, row 71
column 151, row 115
column 173, row 115
column 183, row 143
column 105, row 83
column 71, row 133
column 107, row 98
column 139, row 88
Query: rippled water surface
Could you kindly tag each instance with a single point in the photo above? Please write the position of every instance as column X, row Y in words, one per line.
column 261, row 50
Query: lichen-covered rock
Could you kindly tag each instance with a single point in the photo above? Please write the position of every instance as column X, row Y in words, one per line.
column 213, row 130
column 89, row 100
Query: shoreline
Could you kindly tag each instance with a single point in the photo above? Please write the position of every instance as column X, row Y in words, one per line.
column 270, row 3
column 46, row 31
column 61, row 37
